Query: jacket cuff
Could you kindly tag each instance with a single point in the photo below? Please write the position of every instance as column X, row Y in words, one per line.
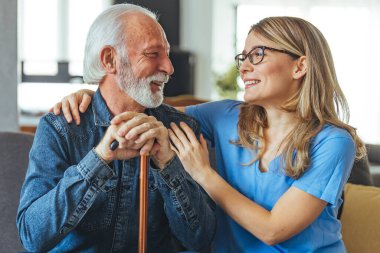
column 171, row 175
column 94, row 170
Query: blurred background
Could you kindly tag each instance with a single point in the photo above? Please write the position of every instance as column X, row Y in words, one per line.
column 42, row 46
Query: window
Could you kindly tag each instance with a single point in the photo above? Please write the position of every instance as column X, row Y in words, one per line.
column 52, row 32
column 352, row 31
column 51, row 48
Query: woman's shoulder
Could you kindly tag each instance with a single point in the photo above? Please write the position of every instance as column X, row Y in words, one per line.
column 332, row 134
column 332, row 131
column 226, row 105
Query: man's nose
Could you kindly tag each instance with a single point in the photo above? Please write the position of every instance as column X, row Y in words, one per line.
column 167, row 66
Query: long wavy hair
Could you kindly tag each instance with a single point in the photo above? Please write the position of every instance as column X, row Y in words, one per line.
column 319, row 100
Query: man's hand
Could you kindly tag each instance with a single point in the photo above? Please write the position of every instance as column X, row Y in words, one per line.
column 132, row 130
column 73, row 104
column 135, row 135
column 144, row 129
column 126, row 149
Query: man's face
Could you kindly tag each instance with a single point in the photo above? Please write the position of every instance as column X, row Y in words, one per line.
column 139, row 89
column 148, row 67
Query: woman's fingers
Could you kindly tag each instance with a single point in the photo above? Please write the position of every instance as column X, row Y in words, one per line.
column 86, row 100
column 172, row 147
column 175, row 141
column 189, row 133
column 66, row 110
column 73, row 104
column 203, row 142
column 179, row 133
column 56, row 109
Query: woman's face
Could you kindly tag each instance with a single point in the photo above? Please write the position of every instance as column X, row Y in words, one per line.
column 271, row 82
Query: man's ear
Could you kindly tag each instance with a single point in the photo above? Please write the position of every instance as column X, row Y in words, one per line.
column 108, row 59
column 300, row 68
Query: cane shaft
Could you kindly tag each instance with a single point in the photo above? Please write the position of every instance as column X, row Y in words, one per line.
column 143, row 216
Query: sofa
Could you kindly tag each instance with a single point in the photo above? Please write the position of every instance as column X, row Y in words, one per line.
column 360, row 212
column 14, row 153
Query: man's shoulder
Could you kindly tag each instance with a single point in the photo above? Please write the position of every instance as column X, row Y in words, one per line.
column 63, row 128
column 166, row 114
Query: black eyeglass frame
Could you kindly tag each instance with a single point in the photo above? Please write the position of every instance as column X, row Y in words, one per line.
column 240, row 58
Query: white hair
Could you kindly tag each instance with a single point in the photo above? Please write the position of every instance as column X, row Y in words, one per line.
column 107, row 29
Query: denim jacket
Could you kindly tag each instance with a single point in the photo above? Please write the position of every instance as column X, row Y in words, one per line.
column 72, row 201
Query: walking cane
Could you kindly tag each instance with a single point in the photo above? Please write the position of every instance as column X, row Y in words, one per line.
column 143, row 211
column 143, row 206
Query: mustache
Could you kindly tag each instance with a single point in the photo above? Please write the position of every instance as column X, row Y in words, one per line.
column 159, row 77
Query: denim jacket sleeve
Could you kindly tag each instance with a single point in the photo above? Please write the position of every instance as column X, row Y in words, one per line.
column 190, row 211
column 56, row 194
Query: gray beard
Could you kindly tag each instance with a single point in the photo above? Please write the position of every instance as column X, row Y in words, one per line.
column 139, row 88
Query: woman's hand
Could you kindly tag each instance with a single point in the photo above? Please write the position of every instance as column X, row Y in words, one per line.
column 192, row 153
column 73, row 104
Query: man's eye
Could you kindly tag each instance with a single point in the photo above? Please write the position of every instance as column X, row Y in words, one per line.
column 152, row 54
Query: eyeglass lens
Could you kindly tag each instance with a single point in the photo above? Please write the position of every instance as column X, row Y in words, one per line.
column 255, row 56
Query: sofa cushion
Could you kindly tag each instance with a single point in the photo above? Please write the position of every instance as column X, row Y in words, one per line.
column 373, row 151
column 361, row 218
column 14, row 152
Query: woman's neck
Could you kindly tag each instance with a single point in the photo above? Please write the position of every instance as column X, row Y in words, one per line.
column 280, row 125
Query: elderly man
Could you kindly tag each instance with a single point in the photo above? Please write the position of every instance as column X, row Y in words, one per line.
column 79, row 195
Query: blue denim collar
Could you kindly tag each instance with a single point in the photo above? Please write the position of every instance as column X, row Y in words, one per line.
column 102, row 116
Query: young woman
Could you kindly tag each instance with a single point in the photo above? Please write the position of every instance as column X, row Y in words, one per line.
column 283, row 155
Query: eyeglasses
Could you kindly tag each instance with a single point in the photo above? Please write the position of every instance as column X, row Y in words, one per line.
column 256, row 55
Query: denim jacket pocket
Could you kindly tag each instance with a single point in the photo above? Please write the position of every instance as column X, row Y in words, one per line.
column 99, row 215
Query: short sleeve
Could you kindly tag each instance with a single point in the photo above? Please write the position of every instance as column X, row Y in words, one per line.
column 331, row 164
column 212, row 115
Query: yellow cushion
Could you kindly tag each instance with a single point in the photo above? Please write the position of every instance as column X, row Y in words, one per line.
column 361, row 218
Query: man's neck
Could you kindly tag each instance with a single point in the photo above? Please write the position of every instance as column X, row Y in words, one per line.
column 117, row 100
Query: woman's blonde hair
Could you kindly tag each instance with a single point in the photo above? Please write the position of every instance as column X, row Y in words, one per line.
column 320, row 100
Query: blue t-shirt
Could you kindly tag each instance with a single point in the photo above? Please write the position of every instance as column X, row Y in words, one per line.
column 332, row 153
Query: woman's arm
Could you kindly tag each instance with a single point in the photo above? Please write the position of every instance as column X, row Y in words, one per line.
column 292, row 213
column 77, row 102
column 72, row 104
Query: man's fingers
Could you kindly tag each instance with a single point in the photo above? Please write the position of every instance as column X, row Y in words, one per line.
column 128, row 153
column 156, row 147
column 139, row 123
column 86, row 100
column 137, row 131
column 125, row 116
column 147, row 147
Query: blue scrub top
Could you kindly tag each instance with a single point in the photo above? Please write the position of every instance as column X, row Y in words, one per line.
column 332, row 155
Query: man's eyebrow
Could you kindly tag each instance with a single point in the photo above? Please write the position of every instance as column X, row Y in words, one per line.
column 156, row 47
